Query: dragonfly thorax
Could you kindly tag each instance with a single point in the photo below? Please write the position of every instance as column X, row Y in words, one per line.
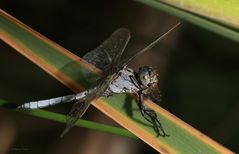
column 129, row 81
column 124, row 83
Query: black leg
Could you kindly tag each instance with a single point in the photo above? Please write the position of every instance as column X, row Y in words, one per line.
column 151, row 116
column 134, row 81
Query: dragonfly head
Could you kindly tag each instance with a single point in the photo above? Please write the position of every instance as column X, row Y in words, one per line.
column 148, row 76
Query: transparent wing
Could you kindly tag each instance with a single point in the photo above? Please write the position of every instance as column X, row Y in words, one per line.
column 104, row 54
column 77, row 111
column 79, row 108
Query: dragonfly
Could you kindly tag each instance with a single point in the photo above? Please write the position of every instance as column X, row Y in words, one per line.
column 119, row 78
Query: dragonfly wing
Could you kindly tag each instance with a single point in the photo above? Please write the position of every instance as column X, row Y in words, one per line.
column 104, row 54
column 105, row 57
column 78, row 109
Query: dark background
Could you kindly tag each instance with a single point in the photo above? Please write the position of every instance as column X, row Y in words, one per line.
column 198, row 69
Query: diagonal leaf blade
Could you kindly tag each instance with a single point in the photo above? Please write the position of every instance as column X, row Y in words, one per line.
column 180, row 8
column 224, row 11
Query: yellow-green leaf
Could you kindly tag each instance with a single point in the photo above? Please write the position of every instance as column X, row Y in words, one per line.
column 218, row 16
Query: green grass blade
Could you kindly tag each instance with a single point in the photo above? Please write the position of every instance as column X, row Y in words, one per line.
column 121, row 108
column 224, row 11
column 197, row 20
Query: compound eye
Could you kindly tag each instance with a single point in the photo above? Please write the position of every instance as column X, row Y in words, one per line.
column 145, row 77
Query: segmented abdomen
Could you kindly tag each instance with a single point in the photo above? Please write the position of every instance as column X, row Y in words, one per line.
column 48, row 102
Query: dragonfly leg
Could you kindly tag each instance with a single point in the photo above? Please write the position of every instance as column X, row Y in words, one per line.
column 151, row 116
column 134, row 81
